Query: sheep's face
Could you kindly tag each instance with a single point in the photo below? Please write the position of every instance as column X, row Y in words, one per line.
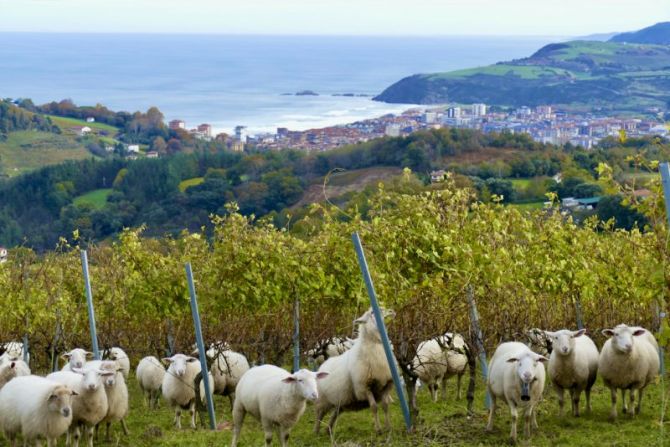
column 60, row 401
column 563, row 341
column 110, row 366
column 117, row 354
column 526, row 368
column 368, row 322
column 92, row 378
column 77, row 357
column 623, row 337
column 178, row 363
column 305, row 383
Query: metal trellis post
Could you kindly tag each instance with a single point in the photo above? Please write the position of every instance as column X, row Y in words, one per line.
column 89, row 300
column 296, row 335
column 474, row 316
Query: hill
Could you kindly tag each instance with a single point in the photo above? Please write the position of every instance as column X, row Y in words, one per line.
column 576, row 74
column 658, row 34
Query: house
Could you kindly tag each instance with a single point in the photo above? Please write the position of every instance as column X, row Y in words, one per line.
column 134, row 148
column 177, row 124
column 3, row 255
column 152, row 154
column 438, row 176
column 206, row 130
column 81, row 130
column 90, row 119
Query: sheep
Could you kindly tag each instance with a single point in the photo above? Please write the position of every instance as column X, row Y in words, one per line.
column 13, row 350
column 628, row 360
column 437, row 360
column 327, row 348
column 539, row 342
column 8, row 371
column 178, row 385
column 274, row 397
column 573, row 365
column 516, row 374
column 117, row 394
column 121, row 358
column 358, row 378
column 89, row 406
column 35, row 407
column 227, row 369
column 75, row 359
column 18, row 367
column 150, row 372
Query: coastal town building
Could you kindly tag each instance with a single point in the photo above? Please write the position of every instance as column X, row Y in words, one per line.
column 177, row 124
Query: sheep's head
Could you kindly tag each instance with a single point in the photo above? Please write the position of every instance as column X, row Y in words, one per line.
column 117, row 354
column 60, row 400
column 77, row 357
column 91, row 378
column 111, row 366
column 368, row 323
column 526, row 368
column 305, row 381
column 178, row 363
column 623, row 337
column 563, row 341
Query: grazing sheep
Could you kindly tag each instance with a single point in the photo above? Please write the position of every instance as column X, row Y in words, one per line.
column 35, row 407
column 89, row 406
column 274, row 397
column 117, row 394
column 121, row 358
column 327, row 348
column 359, row 378
column 178, row 385
column 516, row 374
column 227, row 369
column 438, row 359
column 573, row 366
column 76, row 359
column 628, row 361
column 150, row 372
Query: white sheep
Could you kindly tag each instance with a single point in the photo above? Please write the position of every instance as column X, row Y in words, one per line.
column 227, row 369
column 438, row 359
column 8, row 371
column 89, row 406
column 274, row 397
column 517, row 376
column 150, row 372
column 121, row 358
column 358, row 378
column 76, row 359
column 327, row 348
column 178, row 385
column 117, row 394
column 573, row 366
column 628, row 361
column 35, row 407
column 13, row 350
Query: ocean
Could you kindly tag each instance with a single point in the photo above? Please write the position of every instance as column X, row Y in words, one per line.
column 227, row 80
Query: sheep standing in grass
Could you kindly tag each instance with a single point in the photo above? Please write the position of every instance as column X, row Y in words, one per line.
column 516, row 375
column 179, row 388
column 227, row 368
column 35, row 407
column 117, row 394
column 89, row 406
column 573, row 366
column 359, row 378
column 327, row 348
column 438, row 359
column 121, row 358
column 76, row 359
column 274, row 397
column 628, row 361
column 149, row 374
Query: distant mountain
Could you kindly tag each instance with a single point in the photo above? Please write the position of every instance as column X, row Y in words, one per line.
column 579, row 74
column 600, row 37
column 658, row 34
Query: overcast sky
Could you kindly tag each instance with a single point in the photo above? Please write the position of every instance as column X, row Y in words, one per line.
column 381, row 17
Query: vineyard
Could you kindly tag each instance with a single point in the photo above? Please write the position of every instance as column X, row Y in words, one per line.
column 525, row 269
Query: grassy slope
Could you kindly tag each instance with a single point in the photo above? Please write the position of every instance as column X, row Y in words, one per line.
column 27, row 150
column 66, row 123
column 445, row 423
column 185, row 184
column 96, row 198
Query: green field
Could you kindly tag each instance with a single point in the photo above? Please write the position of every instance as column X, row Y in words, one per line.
column 25, row 151
column 67, row 123
column 96, row 198
column 444, row 423
column 520, row 183
column 528, row 206
column 185, row 184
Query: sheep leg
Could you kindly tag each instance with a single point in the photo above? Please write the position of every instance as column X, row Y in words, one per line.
column 624, row 405
column 373, row 407
column 588, row 400
column 527, row 420
column 433, row 391
column 492, row 410
column 443, row 388
column 575, row 402
column 283, row 435
column 320, row 413
column 515, row 416
column 76, row 434
column 632, row 402
column 613, row 409
column 238, row 419
column 267, row 429
column 333, row 418
column 177, row 418
column 38, row 443
column 413, row 397
column 561, row 399
column 124, row 426
column 107, row 436
column 90, row 431
column 385, row 406
column 534, row 417
column 52, row 442
column 191, row 410
column 459, row 379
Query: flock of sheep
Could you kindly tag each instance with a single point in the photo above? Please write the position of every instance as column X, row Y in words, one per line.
column 351, row 375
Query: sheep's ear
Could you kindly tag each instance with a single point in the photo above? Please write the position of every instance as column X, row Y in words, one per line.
column 512, row 360
column 608, row 332
column 362, row 320
column 88, row 354
column 548, row 333
column 66, row 356
column 578, row 333
column 105, row 372
column 166, row 360
column 321, row 375
column 74, row 393
column 541, row 358
column 191, row 359
column 639, row 332
column 289, row 379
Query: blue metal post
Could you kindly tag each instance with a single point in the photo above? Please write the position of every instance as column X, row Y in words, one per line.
column 474, row 317
column 382, row 329
column 89, row 300
column 296, row 335
column 665, row 178
column 26, row 347
column 201, row 346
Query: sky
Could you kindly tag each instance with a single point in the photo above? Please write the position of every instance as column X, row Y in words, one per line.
column 337, row 17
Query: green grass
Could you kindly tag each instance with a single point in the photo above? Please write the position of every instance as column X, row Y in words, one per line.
column 520, row 183
column 522, row 71
column 444, row 423
column 185, row 184
column 96, row 198
column 66, row 123
column 529, row 206
column 25, row 151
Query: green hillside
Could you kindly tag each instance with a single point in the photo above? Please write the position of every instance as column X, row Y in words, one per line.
column 96, row 198
column 578, row 74
column 27, row 150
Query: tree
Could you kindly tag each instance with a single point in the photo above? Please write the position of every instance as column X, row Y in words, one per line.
column 159, row 145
